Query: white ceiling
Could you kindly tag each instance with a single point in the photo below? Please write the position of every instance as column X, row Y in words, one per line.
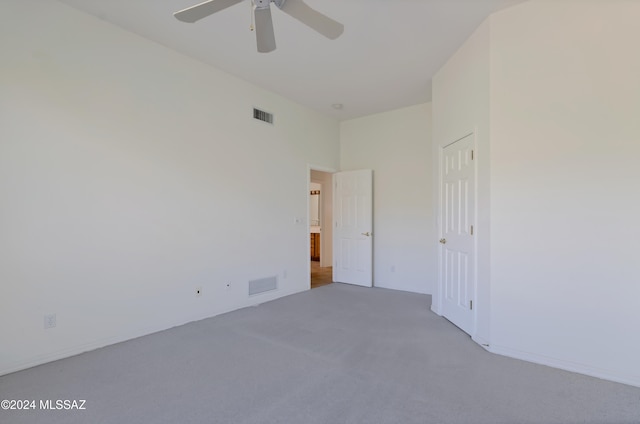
column 384, row 60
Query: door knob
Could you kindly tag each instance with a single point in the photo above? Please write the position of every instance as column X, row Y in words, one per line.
column 443, row 241
column 366, row 234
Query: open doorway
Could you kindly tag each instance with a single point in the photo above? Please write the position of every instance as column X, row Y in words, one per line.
column 320, row 229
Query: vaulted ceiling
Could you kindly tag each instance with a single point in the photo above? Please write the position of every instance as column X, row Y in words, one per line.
column 384, row 60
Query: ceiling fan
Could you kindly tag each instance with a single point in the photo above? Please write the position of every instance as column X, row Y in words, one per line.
column 265, row 37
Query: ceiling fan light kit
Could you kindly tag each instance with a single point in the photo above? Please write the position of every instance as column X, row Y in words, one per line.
column 265, row 37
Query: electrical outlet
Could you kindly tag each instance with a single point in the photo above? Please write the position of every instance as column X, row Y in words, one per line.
column 198, row 291
column 49, row 321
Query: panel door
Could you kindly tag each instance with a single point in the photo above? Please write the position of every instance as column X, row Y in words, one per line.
column 353, row 227
column 457, row 267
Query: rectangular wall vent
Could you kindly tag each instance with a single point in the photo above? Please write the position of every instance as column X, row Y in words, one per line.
column 263, row 285
column 263, row 116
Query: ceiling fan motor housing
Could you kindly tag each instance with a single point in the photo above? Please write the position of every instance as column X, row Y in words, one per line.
column 263, row 4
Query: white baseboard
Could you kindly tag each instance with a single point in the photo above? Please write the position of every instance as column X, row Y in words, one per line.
column 96, row 344
column 128, row 335
column 605, row 374
column 482, row 342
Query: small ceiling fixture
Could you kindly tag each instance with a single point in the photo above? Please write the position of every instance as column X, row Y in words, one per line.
column 337, row 106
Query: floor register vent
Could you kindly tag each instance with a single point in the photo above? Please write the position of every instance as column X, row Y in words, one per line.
column 263, row 116
column 263, row 285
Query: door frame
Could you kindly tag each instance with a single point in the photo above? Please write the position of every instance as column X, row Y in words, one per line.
column 311, row 167
column 436, row 305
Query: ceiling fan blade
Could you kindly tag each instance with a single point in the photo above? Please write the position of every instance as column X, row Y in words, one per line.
column 264, row 30
column 312, row 18
column 202, row 10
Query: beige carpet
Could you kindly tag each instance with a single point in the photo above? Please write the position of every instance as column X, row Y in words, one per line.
column 333, row 355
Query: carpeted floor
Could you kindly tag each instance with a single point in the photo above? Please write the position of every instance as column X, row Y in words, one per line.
column 335, row 354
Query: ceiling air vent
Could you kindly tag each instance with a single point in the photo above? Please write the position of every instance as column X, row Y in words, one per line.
column 263, row 116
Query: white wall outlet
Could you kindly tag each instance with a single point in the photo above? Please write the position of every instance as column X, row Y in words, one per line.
column 198, row 291
column 49, row 321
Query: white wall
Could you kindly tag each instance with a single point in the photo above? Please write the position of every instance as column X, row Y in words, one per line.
column 551, row 88
column 397, row 146
column 461, row 107
column 129, row 176
column 565, row 202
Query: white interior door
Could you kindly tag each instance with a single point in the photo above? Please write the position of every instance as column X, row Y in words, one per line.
column 457, row 266
column 353, row 227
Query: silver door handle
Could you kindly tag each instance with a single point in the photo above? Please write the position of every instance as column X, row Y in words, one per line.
column 366, row 234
